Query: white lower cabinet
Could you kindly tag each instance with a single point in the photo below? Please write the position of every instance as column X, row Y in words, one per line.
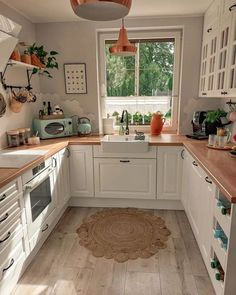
column 63, row 178
column 169, row 172
column 125, row 178
column 200, row 197
column 81, row 171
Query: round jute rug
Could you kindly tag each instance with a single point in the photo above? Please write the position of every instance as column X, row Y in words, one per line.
column 123, row 234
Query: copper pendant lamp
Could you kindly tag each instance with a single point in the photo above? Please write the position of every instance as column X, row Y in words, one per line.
column 101, row 10
column 123, row 47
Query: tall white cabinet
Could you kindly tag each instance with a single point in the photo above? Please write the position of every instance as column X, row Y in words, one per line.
column 169, row 172
column 81, row 171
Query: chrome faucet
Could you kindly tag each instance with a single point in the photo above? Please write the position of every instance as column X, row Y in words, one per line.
column 126, row 129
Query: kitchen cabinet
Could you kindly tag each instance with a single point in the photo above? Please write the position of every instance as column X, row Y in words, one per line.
column 81, row 171
column 125, row 178
column 199, row 208
column 169, row 172
column 185, row 179
column 217, row 76
column 62, row 179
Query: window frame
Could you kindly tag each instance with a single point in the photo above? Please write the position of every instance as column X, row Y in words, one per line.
column 148, row 33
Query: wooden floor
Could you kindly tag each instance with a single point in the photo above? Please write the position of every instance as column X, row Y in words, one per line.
column 63, row 267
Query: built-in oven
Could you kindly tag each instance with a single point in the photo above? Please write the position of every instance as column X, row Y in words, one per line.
column 39, row 193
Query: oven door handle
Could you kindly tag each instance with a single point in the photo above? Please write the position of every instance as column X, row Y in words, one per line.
column 36, row 182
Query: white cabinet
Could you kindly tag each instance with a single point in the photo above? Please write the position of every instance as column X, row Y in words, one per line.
column 201, row 195
column 81, row 171
column 185, row 179
column 169, row 172
column 125, row 178
column 62, row 179
column 218, row 63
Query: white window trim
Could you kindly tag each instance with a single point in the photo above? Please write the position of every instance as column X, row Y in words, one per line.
column 149, row 33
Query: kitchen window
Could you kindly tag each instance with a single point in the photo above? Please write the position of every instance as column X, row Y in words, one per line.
column 144, row 83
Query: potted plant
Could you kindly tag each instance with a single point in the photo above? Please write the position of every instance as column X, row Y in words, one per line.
column 138, row 118
column 147, row 118
column 42, row 59
column 212, row 120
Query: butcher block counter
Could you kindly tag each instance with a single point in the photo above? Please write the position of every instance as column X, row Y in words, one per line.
column 217, row 164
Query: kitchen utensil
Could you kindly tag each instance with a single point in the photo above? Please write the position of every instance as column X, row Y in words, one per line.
column 157, row 123
column 84, row 126
column 2, row 105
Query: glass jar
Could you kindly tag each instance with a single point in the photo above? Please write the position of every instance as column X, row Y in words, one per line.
column 22, row 136
column 13, row 138
column 27, row 134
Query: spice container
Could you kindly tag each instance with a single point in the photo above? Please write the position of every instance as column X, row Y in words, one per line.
column 22, row 136
column 13, row 138
column 27, row 134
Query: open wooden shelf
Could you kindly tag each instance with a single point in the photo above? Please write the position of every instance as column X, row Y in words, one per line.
column 19, row 64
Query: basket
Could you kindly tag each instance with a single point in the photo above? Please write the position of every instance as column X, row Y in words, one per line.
column 15, row 105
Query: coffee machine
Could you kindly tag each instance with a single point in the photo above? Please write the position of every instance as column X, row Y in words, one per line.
column 199, row 131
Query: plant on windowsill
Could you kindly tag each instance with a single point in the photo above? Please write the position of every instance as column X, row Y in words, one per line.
column 42, row 59
column 212, row 120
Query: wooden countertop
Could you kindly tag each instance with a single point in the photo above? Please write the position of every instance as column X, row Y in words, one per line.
column 217, row 164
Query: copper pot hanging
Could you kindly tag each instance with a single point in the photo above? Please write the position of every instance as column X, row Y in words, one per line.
column 123, row 47
column 101, row 10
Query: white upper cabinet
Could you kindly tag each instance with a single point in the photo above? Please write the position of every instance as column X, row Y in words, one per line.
column 169, row 172
column 217, row 77
column 81, row 171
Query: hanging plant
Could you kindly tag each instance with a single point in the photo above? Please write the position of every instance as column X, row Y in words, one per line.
column 42, row 59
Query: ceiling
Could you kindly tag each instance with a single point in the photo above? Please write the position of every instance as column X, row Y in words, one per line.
column 60, row 10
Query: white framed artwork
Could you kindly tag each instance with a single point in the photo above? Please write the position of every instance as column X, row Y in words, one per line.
column 75, row 78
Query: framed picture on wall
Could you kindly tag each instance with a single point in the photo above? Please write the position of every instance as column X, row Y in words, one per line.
column 75, row 78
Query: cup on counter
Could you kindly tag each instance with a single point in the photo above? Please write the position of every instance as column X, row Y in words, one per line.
column 222, row 141
column 212, row 140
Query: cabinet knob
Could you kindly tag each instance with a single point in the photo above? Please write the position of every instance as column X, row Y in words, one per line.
column 204, row 93
column 3, row 197
column 209, row 30
column 124, row 161
column 208, row 180
column 195, row 163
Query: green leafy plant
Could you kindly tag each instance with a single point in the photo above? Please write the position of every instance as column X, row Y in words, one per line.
column 214, row 116
column 147, row 118
column 48, row 59
column 137, row 117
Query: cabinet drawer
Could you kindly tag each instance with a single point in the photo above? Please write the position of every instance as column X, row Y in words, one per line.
column 12, row 275
column 44, row 230
column 10, row 191
column 223, row 220
column 125, row 178
column 11, row 260
column 220, row 252
column 11, row 235
column 9, row 211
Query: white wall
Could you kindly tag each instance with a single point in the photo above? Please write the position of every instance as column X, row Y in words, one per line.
column 76, row 42
column 24, row 118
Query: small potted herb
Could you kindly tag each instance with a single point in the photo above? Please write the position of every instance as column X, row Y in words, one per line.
column 138, row 118
column 213, row 120
column 42, row 59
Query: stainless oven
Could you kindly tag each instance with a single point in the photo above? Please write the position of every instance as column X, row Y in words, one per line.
column 39, row 193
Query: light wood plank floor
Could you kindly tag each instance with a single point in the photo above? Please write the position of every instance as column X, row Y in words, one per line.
column 63, row 267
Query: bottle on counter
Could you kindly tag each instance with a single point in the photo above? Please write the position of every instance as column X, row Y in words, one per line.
column 45, row 109
column 49, row 108
column 215, row 263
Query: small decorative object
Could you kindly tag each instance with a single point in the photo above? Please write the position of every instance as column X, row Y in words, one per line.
column 57, row 110
column 157, row 123
column 13, row 138
column 33, row 140
column 75, row 78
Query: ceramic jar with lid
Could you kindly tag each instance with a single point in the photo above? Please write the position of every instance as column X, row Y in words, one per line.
column 13, row 138
column 22, row 136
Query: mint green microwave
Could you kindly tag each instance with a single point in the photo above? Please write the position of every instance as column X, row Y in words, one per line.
column 53, row 128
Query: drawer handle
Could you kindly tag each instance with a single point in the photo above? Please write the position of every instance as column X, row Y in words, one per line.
column 195, row 163
column 209, row 30
column 208, row 180
column 6, row 238
column 232, row 7
column 4, row 218
column 68, row 152
column 125, row 161
column 11, row 263
column 3, row 197
column 54, row 164
column 46, row 227
column 182, row 154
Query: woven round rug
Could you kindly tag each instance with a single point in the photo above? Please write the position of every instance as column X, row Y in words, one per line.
column 123, row 234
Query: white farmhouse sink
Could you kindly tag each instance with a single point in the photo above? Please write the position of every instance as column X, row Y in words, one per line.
column 123, row 144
